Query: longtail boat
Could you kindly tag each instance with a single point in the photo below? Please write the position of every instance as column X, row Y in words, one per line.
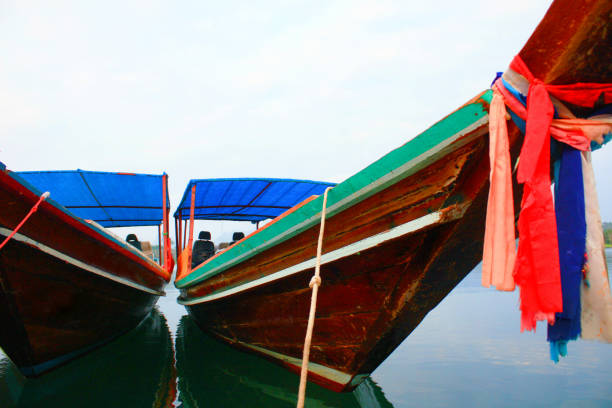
column 399, row 235
column 67, row 283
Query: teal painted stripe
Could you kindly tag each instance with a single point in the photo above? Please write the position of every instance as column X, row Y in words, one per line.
column 463, row 118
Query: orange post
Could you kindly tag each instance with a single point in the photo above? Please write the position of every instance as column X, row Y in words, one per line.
column 168, row 261
column 191, row 221
column 177, row 236
column 184, row 234
column 159, row 242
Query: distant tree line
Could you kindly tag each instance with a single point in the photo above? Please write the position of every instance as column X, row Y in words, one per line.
column 607, row 227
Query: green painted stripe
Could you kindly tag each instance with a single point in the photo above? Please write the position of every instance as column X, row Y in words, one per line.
column 380, row 174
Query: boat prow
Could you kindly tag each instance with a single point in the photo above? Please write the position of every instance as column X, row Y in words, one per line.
column 67, row 286
column 399, row 235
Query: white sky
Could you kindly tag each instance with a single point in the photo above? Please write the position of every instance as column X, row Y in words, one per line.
column 292, row 89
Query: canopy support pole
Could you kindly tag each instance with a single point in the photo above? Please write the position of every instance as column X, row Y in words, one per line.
column 177, row 235
column 165, row 211
column 159, row 243
column 191, row 221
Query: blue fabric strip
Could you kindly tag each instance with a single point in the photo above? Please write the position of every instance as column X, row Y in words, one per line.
column 522, row 98
column 571, row 232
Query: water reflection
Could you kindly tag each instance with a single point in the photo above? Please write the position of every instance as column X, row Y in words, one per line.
column 468, row 352
column 135, row 370
column 214, row 374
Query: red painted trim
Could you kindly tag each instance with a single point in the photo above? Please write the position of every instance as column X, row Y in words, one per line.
column 80, row 225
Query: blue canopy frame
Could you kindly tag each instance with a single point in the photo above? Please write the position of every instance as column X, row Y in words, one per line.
column 245, row 199
column 111, row 199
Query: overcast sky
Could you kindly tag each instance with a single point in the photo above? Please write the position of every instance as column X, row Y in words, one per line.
column 292, row 89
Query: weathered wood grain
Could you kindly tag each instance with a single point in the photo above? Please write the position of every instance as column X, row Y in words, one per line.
column 51, row 309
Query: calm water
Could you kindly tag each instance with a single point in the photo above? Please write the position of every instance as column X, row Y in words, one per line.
column 468, row 352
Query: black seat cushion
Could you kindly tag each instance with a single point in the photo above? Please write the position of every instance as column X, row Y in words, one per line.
column 202, row 250
column 132, row 240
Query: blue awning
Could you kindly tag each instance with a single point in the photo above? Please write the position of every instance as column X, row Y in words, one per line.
column 246, row 199
column 110, row 199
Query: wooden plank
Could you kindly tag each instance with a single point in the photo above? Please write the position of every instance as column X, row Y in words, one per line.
column 52, row 308
column 394, row 166
column 413, row 197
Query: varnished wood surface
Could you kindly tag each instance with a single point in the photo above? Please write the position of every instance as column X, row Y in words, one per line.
column 425, row 192
column 363, row 295
column 573, row 43
column 58, row 230
column 50, row 307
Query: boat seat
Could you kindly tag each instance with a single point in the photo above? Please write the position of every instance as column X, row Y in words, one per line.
column 237, row 237
column 203, row 249
column 133, row 240
column 146, row 248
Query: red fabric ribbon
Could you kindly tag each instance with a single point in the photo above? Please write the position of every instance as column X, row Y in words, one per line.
column 537, row 269
column 581, row 93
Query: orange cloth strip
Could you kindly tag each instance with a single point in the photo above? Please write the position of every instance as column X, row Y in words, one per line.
column 499, row 253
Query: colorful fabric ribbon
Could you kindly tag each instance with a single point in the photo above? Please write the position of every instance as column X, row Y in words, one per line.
column 595, row 297
column 537, row 269
column 571, row 230
column 500, row 246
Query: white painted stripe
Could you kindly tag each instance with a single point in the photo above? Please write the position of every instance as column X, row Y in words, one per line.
column 330, row 373
column 407, row 169
column 66, row 258
column 332, row 256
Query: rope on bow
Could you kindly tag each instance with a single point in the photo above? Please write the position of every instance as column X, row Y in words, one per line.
column 32, row 211
column 314, row 284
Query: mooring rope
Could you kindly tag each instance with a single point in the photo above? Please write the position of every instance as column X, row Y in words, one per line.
column 32, row 211
column 314, row 284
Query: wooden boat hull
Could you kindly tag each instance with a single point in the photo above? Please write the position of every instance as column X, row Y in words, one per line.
column 400, row 234
column 66, row 287
column 398, row 254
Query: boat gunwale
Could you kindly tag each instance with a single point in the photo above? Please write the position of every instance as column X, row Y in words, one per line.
column 24, row 239
column 379, row 175
column 442, row 216
column 92, row 230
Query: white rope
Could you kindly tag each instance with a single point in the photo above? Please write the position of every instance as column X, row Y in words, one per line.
column 314, row 284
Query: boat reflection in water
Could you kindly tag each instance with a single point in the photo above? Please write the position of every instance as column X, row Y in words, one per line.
column 214, row 374
column 135, row 370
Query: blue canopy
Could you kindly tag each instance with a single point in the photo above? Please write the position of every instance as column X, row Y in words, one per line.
column 246, row 199
column 110, row 199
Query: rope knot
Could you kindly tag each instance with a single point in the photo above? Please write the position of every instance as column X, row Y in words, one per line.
column 315, row 280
